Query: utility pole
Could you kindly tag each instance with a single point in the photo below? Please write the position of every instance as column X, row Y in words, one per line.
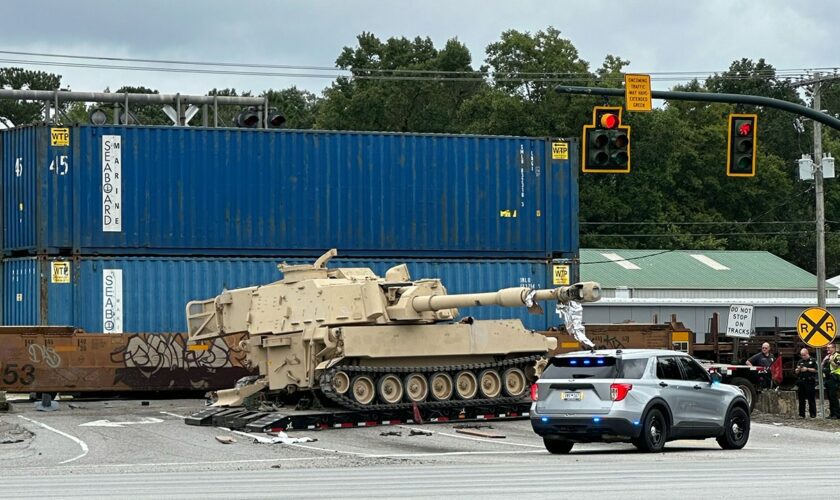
column 816, row 83
column 819, row 189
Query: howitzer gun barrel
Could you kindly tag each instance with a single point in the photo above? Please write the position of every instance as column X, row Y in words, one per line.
column 509, row 297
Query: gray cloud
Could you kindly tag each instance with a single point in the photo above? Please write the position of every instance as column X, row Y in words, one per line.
column 654, row 35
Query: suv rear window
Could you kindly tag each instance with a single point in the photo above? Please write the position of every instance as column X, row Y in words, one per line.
column 594, row 367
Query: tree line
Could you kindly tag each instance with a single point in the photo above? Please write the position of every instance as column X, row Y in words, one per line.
column 676, row 197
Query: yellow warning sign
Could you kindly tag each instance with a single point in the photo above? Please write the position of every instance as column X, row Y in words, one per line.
column 559, row 150
column 60, row 271
column 59, row 137
column 637, row 94
column 816, row 327
column 561, row 274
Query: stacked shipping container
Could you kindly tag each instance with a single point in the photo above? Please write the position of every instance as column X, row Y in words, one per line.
column 116, row 228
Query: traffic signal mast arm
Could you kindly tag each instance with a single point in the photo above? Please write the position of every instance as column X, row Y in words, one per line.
column 712, row 97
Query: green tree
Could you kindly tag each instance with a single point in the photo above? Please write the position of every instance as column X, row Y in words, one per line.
column 23, row 112
column 384, row 92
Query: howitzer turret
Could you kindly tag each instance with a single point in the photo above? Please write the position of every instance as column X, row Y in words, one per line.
column 366, row 341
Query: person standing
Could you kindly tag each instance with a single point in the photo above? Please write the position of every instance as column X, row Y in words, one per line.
column 806, row 384
column 764, row 358
column 831, row 370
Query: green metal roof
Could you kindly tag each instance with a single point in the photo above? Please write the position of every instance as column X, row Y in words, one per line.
column 678, row 269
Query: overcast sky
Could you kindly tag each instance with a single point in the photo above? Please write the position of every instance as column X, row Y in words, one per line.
column 656, row 36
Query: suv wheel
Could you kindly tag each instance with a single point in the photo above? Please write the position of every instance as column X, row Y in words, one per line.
column 558, row 446
column 654, row 432
column 736, row 430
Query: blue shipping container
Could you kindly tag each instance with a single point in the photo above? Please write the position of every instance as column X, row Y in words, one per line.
column 119, row 190
column 149, row 294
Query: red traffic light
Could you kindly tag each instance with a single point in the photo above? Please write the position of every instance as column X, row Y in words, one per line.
column 745, row 129
column 609, row 120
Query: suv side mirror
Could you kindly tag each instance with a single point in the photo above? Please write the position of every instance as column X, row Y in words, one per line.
column 716, row 378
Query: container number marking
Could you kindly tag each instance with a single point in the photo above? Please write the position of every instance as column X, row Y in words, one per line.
column 59, row 165
column 111, row 183
column 18, row 167
column 112, row 301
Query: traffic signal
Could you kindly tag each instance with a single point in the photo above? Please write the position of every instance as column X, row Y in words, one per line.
column 740, row 153
column 606, row 142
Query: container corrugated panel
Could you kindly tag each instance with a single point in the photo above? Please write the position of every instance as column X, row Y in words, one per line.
column 240, row 192
column 150, row 294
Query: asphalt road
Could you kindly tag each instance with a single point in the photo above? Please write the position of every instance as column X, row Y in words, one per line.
column 123, row 449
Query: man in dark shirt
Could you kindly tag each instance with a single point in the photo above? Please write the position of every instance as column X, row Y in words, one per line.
column 806, row 370
column 764, row 358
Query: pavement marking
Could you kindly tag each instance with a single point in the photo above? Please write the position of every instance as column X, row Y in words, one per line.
column 169, row 464
column 173, row 414
column 76, row 440
column 468, row 438
column 354, row 453
column 453, row 453
column 108, row 423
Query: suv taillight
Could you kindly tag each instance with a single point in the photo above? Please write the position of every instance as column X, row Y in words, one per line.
column 619, row 391
column 535, row 392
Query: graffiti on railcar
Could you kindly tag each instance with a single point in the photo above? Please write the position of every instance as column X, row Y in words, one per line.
column 151, row 360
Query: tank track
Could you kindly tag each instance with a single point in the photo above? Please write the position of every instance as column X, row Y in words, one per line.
column 346, row 401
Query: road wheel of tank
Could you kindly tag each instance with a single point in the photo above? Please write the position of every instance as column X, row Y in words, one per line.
column 558, row 446
column 341, row 382
column 442, row 386
column 466, row 385
column 363, row 389
column 748, row 388
column 736, row 430
column 514, row 382
column 489, row 383
column 416, row 388
column 654, row 432
column 390, row 389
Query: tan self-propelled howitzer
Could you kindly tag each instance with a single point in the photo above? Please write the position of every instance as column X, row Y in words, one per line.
column 367, row 342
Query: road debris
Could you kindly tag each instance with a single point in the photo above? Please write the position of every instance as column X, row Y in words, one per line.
column 13, row 433
column 391, row 433
column 276, row 438
column 478, row 433
column 4, row 405
column 419, row 433
column 472, row 426
column 225, row 439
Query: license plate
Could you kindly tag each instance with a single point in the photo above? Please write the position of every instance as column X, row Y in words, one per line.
column 572, row 396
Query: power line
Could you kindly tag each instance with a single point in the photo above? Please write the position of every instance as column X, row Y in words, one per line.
column 679, row 235
column 640, row 257
column 694, row 223
column 378, row 73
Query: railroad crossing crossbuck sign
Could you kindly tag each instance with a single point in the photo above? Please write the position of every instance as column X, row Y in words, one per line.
column 816, row 327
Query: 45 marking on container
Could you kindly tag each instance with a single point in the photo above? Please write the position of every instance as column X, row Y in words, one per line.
column 560, row 274
column 18, row 167
column 59, row 165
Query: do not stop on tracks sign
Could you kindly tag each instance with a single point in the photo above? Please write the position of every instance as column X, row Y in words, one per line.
column 816, row 327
